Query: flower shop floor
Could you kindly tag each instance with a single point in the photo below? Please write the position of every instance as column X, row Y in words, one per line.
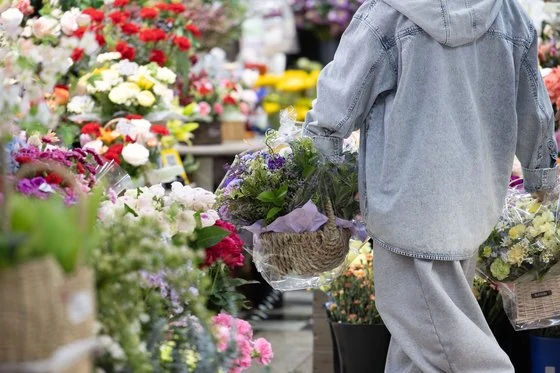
column 288, row 329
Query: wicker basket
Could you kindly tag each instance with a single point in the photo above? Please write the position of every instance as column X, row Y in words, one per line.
column 537, row 300
column 308, row 253
column 233, row 130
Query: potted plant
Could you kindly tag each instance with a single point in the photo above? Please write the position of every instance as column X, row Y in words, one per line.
column 360, row 339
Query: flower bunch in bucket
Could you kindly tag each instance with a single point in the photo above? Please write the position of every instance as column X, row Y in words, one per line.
column 521, row 255
column 298, row 206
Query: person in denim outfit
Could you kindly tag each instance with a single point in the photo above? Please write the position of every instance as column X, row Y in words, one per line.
column 445, row 94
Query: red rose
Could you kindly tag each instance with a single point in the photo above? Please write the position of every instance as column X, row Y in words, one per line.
column 162, row 6
column 159, row 129
column 79, row 33
column 130, row 28
column 151, row 35
column 126, row 50
column 100, row 40
column 229, row 250
column 54, row 178
column 193, row 29
column 148, row 13
column 228, row 100
column 182, row 42
column 128, row 139
column 120, row 3
column 158, row 57
column 92, row 128
column 176, row 7
column 23, row 159
column 114, row 153
column 133, row 116
column 95, row 14
column 118, row 17
column 77, row 54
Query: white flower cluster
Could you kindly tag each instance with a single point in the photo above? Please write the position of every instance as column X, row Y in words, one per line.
column 129, row 84
column 177, row 211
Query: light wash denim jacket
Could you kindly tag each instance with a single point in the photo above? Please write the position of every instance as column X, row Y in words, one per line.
column 445, row 93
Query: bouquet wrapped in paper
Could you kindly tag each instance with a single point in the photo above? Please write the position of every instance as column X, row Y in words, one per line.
column 521, row 256
column 298, row 206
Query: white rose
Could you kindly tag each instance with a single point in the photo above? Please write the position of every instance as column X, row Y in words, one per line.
column 208, row 218
column 45, row 26
column 186, row 222
column 81, row 105
column 157, row 190
column 95, row 145
column 165, row 75
column 123, row 93
column 10, row 20
column 146, row 98
column 89, row 43
column 69, row 22
column 104, row 57
column 140, row 128
column 126, row 68
column 136, row 154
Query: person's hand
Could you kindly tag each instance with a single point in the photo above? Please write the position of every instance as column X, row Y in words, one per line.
column 539, row 196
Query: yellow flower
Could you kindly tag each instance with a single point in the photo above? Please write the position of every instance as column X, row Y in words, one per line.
column 516, row 254
column 271, row 107
column 108, row 136
column 146, row 98
column 516, row 232
column 487, row 251
column 301, row 112
column 534, row 207
column 123, row 92
column 144, row 83
column 267, row 80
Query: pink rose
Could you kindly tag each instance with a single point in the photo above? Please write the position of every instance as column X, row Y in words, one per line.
column 244, row 108
column 218, row 108
column 69, row 22
column 24, row 6
column 204, row 108
column 264, row 350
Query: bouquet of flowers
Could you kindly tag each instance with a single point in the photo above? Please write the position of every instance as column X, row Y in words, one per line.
column 288, row 193
column 352, row 294
column 327, row 18
column 521, row 254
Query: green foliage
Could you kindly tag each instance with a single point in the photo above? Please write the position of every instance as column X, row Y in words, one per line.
column 49, row 227
column 223, row 290
column 208, row 236
column 490, row 301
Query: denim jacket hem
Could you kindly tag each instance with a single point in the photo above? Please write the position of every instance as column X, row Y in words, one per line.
column 418, row 254
column 539, row 179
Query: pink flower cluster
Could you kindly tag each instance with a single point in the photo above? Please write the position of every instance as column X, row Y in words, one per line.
column 229, row 329
column 552, row 82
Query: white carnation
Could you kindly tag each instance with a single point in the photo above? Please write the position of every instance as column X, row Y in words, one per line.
column 136, row 154
column 110, row 56
column 81, row 105
column 165, row 75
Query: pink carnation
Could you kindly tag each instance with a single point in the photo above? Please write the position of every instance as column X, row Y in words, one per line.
column 244, row 328
column 218, row 108
column 223, row 319
column 264, row 350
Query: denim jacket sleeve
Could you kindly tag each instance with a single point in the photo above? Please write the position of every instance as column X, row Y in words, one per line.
column 536, row 146
column 348, row 87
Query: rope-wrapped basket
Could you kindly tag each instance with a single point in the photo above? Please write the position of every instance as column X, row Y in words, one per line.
column 308, row 253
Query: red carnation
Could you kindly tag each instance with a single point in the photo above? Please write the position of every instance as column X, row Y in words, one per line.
column 54, row 178
column 118, row 17
column 182, row 42
column 126, row 50
column 158, row 57
column 120, row 3
column 151, row 35
column 23, row 159
column 79, row 33
column 176, row 8
column 100, row 40
column 77, row 54
column 95, row 14
column 114, row 153
column 80, row 167
column 130, row 28
column 229, row 250
column 92, row 128
column 148, row 13
column 228, row 100
column 159, row 129
column 133, row 116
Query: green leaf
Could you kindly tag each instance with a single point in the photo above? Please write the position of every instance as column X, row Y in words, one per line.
column 272, row 213
column 209, row 236
column 267, row 197
column 130, row 210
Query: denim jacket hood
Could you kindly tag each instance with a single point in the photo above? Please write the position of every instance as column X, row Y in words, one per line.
column 445, row 94
column 451, row 23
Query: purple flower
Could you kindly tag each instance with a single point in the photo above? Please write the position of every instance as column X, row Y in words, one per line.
column 276, row 162
column 233, row 185
column 32, row 187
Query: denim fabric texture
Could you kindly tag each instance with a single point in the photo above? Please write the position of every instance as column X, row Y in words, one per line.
column 445, row 94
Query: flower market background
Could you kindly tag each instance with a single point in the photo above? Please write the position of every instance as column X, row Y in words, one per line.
column 138, row 138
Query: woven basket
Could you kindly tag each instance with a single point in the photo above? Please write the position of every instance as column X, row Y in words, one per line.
column 41, row 307
column 308, row 253
column 233, row 130
column 537, row 300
